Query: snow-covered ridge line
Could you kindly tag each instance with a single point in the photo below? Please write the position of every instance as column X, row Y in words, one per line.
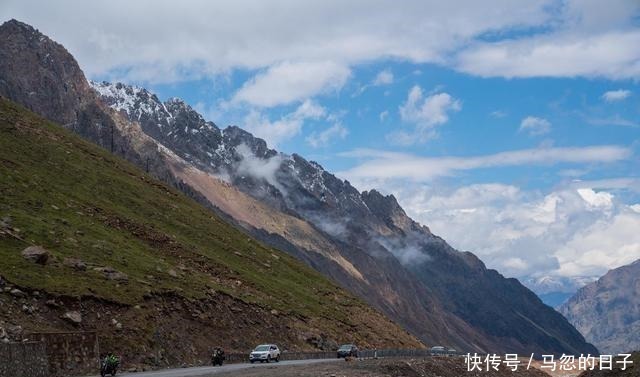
column 134, row 100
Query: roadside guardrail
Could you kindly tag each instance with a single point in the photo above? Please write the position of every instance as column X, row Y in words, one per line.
column 362, row 354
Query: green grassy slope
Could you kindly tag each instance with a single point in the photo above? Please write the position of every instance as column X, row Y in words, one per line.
column 78, row 201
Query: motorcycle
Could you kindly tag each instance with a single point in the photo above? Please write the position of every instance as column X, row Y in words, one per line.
column 217, row 358
column 109, row 367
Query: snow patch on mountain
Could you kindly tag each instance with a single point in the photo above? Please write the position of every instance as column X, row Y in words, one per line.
column 135, row 101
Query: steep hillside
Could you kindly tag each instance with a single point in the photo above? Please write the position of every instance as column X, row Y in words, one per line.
column 364, row 241
column 607, row 311
column 148, row 268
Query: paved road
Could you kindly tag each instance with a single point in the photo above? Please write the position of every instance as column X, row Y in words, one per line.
column 206, row 371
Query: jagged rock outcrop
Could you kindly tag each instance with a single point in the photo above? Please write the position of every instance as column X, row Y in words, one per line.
column 607, row 312
column 43, row 76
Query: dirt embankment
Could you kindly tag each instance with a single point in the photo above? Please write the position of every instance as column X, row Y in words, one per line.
column 424, row 367
column 162, row 330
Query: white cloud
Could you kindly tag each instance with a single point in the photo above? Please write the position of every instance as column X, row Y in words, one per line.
column 583, row 39
column 265, row 169
column 206, row 38
column 528, row 233
column 631, row 184
column 596, row 200
column 535, row 126
column 324, row 138
column 285, row 128
column 608, row 242
column 223, row 35
column 383, row 115
column 604, row 55
column 425, row 112
column 616, row 95
column 390, row 165
column 428, row 111
column 289, row 82
column 384, row 77
column 615, row 120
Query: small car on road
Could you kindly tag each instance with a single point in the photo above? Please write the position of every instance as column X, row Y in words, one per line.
column 265, row 353
column 347, row 350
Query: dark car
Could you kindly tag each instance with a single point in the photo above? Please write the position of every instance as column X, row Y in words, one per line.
column 347, row 350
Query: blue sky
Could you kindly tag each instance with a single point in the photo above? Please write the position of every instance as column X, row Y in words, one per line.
column 511, row 128
column 488, row 121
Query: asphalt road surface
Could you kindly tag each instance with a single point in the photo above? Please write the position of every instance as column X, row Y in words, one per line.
column 207, row 371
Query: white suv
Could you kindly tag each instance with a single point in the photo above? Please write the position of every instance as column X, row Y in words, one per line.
column 265, row 353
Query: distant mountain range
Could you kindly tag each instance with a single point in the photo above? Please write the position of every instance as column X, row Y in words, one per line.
column 362, row 240
column 556, row 290
column 607, row 311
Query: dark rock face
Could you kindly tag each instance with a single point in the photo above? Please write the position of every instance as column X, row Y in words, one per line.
column 437, row 293
column 41, row 76
column 607, row 311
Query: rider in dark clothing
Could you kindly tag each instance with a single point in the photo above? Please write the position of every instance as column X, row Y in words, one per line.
column 218, row 356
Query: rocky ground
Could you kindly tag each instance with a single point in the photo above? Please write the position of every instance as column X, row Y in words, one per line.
column 430, row 367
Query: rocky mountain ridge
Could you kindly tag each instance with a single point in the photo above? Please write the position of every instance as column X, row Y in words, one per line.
column 364, row 241
column 556, row 290
column 607, row 311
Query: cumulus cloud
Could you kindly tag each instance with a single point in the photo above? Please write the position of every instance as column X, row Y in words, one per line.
column 535, row 126
column 428, row 111
column 391, row 165
column 285, row 128
column 616, row 95
column 290, row 82
column 607, row 243
column 384, row 77
column 565, row 232
column 425, row 113
column 323, row 138
column 596, row 200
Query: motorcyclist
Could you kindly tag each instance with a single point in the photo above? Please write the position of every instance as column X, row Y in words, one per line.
column 110, row 365
column 111, row 359
column 218, row 356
